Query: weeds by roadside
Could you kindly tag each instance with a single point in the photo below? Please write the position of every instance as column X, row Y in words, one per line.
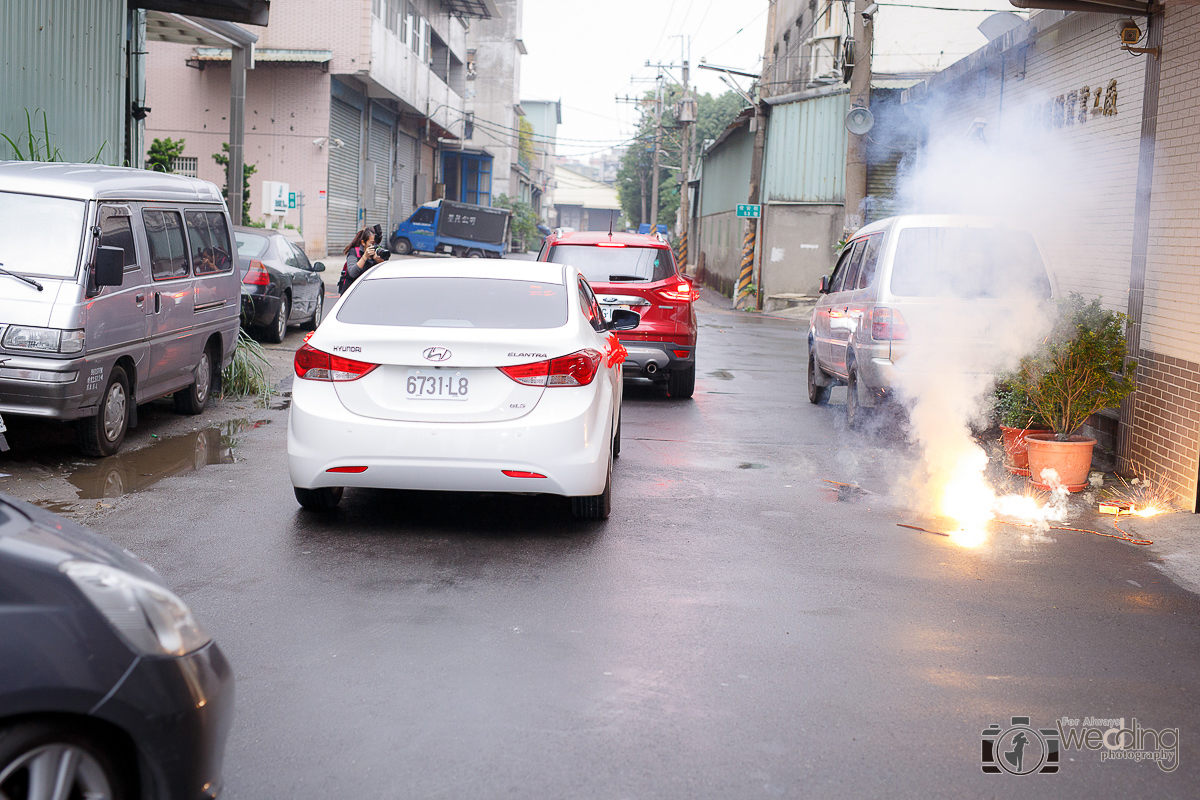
column 248, row 375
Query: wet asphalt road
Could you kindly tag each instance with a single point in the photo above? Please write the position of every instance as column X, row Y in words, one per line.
column 733, row 630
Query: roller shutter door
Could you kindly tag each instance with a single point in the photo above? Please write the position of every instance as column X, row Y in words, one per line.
column 379, row 171
column 881, row 187
column 345, row 124
column 406, row 173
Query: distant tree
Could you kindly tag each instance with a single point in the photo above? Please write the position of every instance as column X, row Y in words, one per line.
column 525, row 141
column 222, row 158
column 635, row 175
column 162, row 152
column 524, row 220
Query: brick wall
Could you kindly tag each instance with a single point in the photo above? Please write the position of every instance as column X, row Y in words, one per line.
column 1166, row 420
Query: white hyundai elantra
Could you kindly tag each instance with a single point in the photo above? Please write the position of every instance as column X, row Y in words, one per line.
column 461, row 375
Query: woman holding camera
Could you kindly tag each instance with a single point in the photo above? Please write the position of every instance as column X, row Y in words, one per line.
column 360, row 256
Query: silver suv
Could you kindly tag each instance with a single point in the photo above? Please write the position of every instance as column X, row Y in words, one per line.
column 915, row 296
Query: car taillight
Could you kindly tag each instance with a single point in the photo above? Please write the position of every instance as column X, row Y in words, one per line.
column 316, row 365
column 257, row 275
column 887, row 324
column 577, row 369
column 680, row 293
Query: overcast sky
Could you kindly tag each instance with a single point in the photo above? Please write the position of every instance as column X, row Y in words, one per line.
column 587, row 53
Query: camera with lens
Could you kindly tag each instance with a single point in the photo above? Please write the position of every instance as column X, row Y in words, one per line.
column 381, row 252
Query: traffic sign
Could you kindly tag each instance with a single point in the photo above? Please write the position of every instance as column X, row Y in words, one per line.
column 749, row 210
column 291, row 199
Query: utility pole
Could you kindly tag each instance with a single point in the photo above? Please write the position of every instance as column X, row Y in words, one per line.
column 687, row 118
column 860, row 97
column 657, row 140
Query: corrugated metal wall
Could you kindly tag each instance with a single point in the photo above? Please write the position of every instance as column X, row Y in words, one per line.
column 726, row 179
column 66, row 57
column 805, row 158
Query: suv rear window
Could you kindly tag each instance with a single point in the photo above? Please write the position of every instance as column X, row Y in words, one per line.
column 968, row 263
column 455, row 303
column 615, row 264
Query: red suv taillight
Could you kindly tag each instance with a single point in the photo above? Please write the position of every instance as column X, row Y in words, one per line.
column 257, row 275
column 577, row 369
column 887, row 324
column 679, row 293
column 316, row 365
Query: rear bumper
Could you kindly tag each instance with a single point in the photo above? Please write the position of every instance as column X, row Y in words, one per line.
column 178, row 712
column 566, row 437
column 665, row 356
column 259, row 308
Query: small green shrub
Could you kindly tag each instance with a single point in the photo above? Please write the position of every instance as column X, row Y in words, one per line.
column 248, row 375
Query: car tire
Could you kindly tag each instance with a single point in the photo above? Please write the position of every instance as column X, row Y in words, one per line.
column 818, row 395
column 681, row 383
column 63, row 752
column 402, row 247
column 312, row 324
column 194, row 398
column 101, row 435
column 324, row 498
column 855, row 413
column 597, row 506
column 474, row 254
column 277, row 330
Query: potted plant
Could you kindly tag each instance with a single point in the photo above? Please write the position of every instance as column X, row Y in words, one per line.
column 1079, row 369
column 1017, row 418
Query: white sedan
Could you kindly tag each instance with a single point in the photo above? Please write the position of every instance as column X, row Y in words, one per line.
column 460, row 375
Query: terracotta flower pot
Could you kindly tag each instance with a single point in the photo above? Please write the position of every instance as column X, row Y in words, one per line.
column 1072, row 459
column 1014, row 448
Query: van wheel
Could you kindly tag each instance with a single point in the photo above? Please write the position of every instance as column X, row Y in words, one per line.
column 324, row 498
column 817, row 395
column 194, row 398
column 474, row 254
column 32, row 752
column 402, row 247
column 277, row 330
column 596, row 506
column 102, row 434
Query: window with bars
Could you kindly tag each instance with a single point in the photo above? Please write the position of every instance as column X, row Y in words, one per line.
column 185, row 165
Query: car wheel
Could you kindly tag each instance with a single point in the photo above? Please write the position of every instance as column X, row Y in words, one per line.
column 278, row 327
column 312, row 324
column 474, row 254
column 193, row 399
column 102, row 434
column 854, row 408
column 596, row 506
column 402, row 247
column 40, row 759
column 681, row 383
column 817, row 395
column 325, row 498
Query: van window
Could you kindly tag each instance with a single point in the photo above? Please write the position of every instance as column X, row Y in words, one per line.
column 866, row 272
column 209, row 242
column 847, row 270
column 116, row 230
column 968, row 263
column 164, row 233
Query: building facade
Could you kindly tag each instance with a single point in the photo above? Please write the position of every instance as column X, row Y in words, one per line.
column 544, row 116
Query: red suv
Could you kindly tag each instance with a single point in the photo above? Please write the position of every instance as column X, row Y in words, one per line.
column 637, row 272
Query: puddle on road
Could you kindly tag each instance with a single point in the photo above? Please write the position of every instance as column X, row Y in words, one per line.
column 749, row 465
column 172, row 455
column 721, row 374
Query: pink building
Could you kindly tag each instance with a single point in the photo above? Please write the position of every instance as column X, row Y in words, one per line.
column 347, row 104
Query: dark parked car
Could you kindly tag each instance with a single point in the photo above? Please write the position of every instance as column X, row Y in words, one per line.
column 109, row 687
column 280, row 286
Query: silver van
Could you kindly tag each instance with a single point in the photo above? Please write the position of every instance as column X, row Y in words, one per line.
column 117, row 286
column 914, row 296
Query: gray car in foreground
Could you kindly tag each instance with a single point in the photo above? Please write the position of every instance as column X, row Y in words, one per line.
column 109, row 688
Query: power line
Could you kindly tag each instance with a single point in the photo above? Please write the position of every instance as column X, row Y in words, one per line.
column 739, row 30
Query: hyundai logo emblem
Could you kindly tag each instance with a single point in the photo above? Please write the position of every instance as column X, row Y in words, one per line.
column 436, row 354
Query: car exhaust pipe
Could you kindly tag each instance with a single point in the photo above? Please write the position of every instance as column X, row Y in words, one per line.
column 651, row 368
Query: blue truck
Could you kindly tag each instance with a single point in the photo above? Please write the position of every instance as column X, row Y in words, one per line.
column 460, row 229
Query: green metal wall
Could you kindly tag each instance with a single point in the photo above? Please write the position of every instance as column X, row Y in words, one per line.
column 66, row 57
column 726, row 180
column 805, row 157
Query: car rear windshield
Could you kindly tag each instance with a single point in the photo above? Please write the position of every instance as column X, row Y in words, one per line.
column 251, row 245
column 968, row 263
column 615, row 264
column 455, row 303
column 40, row 235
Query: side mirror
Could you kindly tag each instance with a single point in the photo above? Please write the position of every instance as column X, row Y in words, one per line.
column 624, row 320
column 318, row 266
column 110, row 266
column 824, row 287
